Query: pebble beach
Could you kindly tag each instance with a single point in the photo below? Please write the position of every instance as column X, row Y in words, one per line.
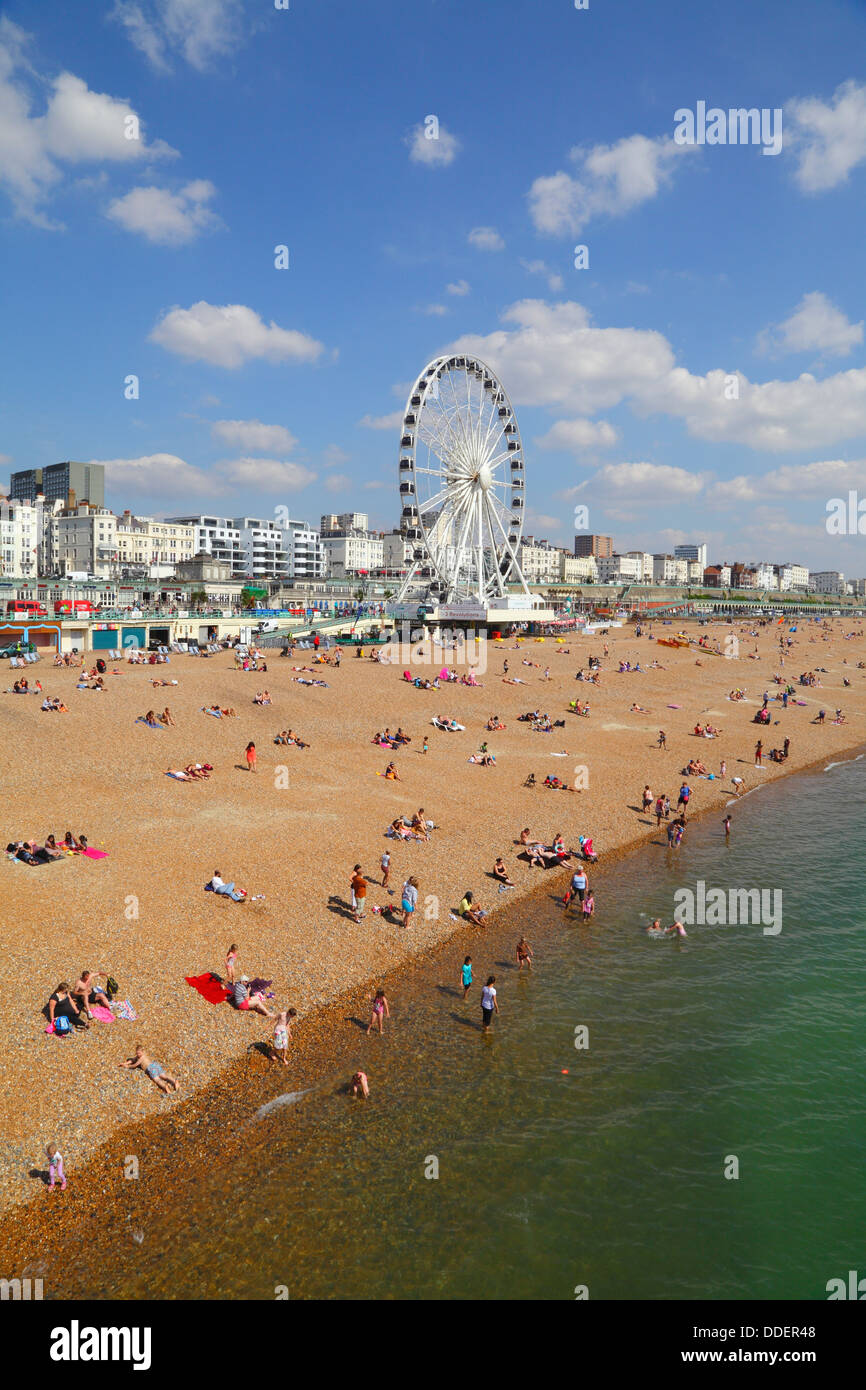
column 291, row 832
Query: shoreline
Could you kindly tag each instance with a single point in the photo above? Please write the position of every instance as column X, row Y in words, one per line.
column 210, row 1125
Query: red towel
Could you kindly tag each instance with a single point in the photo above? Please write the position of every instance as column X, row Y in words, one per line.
column 209, row 987
column 96, row 853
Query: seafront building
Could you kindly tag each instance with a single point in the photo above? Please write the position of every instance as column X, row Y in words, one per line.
column 60, row 482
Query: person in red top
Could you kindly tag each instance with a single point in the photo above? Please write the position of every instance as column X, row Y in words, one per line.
column 359, row 892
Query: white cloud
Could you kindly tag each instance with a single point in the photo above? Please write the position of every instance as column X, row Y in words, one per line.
column 555, row 281
column 555, row 357
column 575, row 435
column 228, row 335
column 266, row 475
column 828, row 138
column 334, row 456
column 199, row 31
column 646, row 482
column 383, row 422
column 439, row 151
column 485, row 239
column 458, row 287
column 825, row 478
column 254, row 437
column 436, row 310
column 77, row 126
column 168, row 219
column 774, row 415
column 610, row 180
column 157, row 473
column 815, row 325
column 338, row 482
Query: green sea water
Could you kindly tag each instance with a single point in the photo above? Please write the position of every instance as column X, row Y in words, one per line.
column 610, row 1166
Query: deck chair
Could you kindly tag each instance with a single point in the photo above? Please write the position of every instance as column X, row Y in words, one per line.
column 14, row 663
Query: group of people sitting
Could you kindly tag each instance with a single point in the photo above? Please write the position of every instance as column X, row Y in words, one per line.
column 67, row 659
column 694, row 768
column 23, row 687
column 762, row 716
column 153, row 720
column 250, row 663
column 218, row 712
column 136, row 657
column 579, row 707
column 54, row 703
column 556, row 784
column 494, row 724
column 416, row 827
column 288, row 736
column 262, row 697
column 29, row 852
column 706, row 730
column 75, row 1003
column 389, row 740
column 420, row 684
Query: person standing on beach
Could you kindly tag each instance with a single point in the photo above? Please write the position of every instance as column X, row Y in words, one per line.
column 663, row 741
column 660, row 811
column 588, row 906
column 409, row 899
column 647, row 799
column 466, row 975
column 489, row 1005
column 380, row 1012
column 727, row 824
column 759, row 754
column 524, row 954
column 359, row 892
column 55, row 1168
column 231, row 959
column 385, row 863
column 251, row 757
column 723, row 767
column 667, row 807
column 683, row 798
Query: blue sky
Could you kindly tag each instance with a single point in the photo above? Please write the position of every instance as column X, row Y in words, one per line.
column 713, row 269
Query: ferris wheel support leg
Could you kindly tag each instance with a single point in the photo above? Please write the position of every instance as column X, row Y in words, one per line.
column 407, row 583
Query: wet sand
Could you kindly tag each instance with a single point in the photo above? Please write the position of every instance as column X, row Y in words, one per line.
column 295, row 836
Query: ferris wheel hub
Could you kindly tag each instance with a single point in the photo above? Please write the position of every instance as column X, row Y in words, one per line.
column 484, row 477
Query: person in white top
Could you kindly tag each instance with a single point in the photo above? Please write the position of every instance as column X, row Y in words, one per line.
column 489, row 1005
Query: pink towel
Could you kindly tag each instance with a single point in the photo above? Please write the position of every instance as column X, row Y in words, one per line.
column 104, row 1015
column 96, row 853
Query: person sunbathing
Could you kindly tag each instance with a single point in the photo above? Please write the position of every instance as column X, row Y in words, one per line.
column 525, row 836
column 638, row 709
column 420, row 827
column 167, row 718
column 392, row 774
column 178, row 774
column 154, row 1070
column 402, row 831
column 246, row 1001
column 198, row 771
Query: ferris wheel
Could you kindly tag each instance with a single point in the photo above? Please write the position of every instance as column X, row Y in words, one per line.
column 462, row 483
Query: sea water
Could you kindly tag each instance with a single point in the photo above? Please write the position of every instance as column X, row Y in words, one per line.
column 648, row 1118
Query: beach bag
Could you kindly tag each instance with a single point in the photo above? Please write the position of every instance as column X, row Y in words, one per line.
column 62, row 1026
column 111, row 987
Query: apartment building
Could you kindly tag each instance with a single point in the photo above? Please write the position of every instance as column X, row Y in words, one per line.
column 20, row 537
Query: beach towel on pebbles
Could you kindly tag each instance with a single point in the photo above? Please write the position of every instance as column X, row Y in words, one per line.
column 209, row 986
